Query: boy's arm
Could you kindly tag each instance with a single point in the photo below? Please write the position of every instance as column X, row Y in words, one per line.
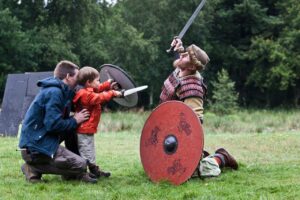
column 104, row 86
column 102, row 97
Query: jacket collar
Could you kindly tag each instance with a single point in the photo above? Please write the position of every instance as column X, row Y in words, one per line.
column 90, row 89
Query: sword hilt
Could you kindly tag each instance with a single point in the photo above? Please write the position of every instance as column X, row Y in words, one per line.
column 122, row 91
column 173, row 47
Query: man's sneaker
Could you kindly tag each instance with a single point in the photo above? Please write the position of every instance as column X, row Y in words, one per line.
column 30, row 175
column 95, row 170
column 229, row 160
column 87, row 179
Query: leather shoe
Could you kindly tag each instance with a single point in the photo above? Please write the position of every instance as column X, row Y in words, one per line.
column 30, row 175
column 229, row 159
column 87, row 179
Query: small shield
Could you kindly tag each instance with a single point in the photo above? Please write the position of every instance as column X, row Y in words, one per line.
column 171, row 143
column 108, row 71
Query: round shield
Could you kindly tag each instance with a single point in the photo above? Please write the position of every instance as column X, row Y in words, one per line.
column 108, row 71
column 171, row 143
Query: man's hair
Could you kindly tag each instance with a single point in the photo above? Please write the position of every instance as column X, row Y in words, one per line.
column 63, row 68
column 87, row 74
column 198, row 57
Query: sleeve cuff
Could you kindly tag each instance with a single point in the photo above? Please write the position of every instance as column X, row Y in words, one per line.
column 74, row 123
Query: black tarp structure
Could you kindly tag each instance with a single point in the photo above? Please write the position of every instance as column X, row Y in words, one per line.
column 20, row 90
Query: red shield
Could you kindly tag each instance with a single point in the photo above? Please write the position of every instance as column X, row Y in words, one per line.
column 171, row 143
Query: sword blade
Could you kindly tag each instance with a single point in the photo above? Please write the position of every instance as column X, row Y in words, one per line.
column 188, row 24
column 192, row 18
column 134, row 90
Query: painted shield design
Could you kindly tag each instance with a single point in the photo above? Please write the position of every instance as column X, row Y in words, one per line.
column 109, row 71
column 171, row 143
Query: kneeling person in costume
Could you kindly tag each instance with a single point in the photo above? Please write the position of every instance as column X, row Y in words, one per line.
column 186, row 84
column 91, row 96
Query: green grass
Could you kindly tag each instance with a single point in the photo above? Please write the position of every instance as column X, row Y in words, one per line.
column 269, row 163
column 244, row 121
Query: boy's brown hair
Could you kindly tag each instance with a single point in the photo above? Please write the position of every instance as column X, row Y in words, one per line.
column 63, row 68
column 87, row 74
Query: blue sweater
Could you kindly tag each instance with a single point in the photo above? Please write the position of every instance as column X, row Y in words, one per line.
column 48, row 117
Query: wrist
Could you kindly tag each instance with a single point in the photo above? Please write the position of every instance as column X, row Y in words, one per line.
column 180, row 49
column 115, row 93
column 76, row 121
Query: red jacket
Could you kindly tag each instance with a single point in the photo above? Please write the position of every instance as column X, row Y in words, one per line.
column 91, row 100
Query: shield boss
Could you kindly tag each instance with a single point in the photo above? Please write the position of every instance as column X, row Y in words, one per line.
column 171, row 143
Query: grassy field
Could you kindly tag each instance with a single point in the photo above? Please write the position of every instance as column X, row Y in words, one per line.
column 265, row 143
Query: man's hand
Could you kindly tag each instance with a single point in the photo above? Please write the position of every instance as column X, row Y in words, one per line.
column 82, row 116
column 177, row 44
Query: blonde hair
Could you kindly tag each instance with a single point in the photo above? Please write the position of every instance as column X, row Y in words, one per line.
column 87, row 74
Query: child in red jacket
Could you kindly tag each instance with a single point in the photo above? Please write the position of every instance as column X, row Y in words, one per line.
column 91, row 97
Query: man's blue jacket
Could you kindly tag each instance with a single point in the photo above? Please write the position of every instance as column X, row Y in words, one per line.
column 47, row 118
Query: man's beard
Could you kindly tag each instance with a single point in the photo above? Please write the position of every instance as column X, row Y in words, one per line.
column 176, row 63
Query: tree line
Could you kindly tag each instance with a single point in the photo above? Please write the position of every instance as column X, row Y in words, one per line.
column 255, row 41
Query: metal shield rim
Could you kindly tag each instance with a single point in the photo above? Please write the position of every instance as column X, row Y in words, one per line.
column 120, row 69
column 126, row 101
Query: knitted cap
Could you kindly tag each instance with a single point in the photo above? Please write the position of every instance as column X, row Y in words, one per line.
column 198, row 57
